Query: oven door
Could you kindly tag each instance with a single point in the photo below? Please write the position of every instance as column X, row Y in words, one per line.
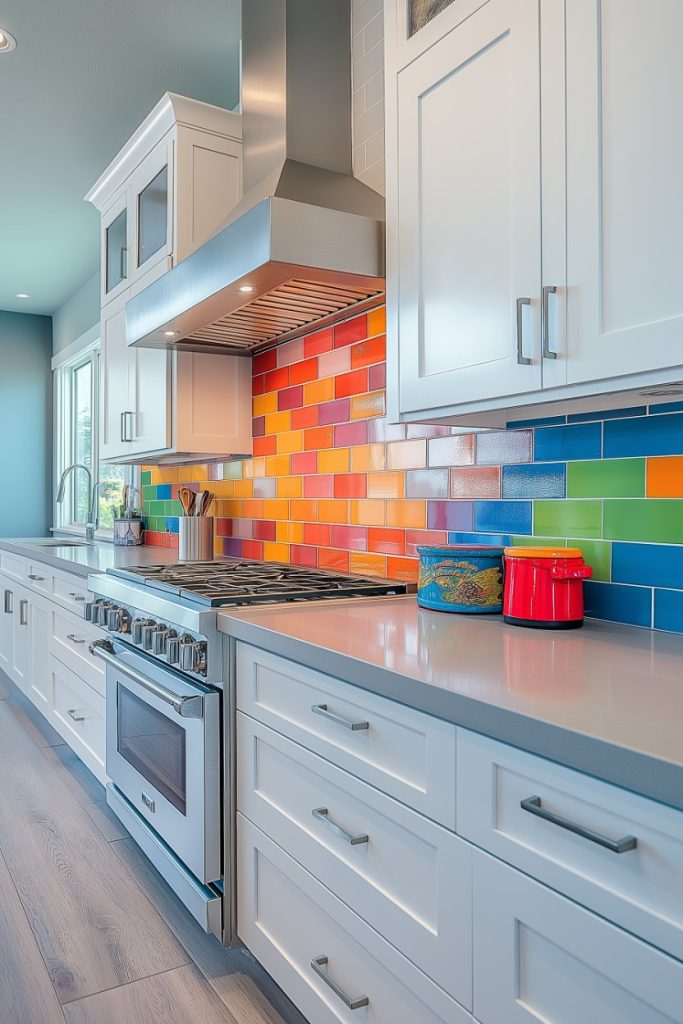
column 163, row 754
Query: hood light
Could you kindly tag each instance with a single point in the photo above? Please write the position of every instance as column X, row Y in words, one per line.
column 7, row 41
column 246, row 288
column 170, row 334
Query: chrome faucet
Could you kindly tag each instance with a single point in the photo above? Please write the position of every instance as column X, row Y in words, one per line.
column 93, row 512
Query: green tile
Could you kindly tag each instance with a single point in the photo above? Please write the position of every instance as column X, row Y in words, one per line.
column 232, row 470
column 149, row 492
column 546, row 542
column 145, row 477
column 606, row 478
column 156, row 508
column 568, row 518
column 649, row 519
column 598, row 554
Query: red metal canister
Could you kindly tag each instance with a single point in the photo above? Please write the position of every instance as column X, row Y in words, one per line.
column 544, row 587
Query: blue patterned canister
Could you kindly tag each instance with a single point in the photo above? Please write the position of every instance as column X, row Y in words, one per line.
column 461, row 578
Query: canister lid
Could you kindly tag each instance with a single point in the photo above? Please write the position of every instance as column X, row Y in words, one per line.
column 460, row 549
column 540, row 552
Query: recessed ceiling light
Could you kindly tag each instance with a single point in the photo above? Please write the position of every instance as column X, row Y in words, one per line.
column 170, row 334
column 7, row 41
column 22, row 295
column 246, row 288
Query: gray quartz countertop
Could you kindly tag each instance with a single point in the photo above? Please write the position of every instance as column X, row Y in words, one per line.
column 97, row 556
column 606, row 699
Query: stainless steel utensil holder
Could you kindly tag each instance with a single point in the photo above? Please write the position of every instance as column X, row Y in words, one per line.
column 195, row 541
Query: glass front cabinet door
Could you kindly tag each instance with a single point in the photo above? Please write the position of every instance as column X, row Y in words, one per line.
column 152, row 207
column 115, row 246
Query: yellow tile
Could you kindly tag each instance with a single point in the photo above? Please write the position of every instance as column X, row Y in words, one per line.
column 411, row 515
column 233, row 509
column 199, row 474
column 368, row 512
column 368, row 458
column 264, row 404
column 377, row 321
column 244, row 488
column 290, row 533
column 258, row 467
column 370, row 404
column 332, row 510
column 290, row 441
column 248, row 469
column 167, row 475
column 290, row 487
column 334, row 460
column 275, row 552
column 368, row 564
column 386, row 485
column 275, row 508
column 218, row 545
column 277, row 465
column 304, row 510
column 278, row 422
column 223, row 488
column 319, row 391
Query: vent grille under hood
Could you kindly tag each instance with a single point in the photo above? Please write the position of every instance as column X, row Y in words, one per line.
column 307, row 237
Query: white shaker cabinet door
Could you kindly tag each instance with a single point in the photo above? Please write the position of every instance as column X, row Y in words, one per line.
column 466, row 213
column 624, row 173
column 117, row 415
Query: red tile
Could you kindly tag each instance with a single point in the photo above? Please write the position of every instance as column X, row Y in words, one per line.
column 351, row 331
column 291, row 398
column 353, row 538
column 252, row 549
column 301, row 555
column 335, row 412
column 321, row 341
column 368, row 352
column 377, row 377
column 329, row 558
column 350, row 485
column 265, row 361
column 263, row 529
column 387, row 542
column 301, row 373
column 318, row 437
column 224, row 527
column 318, row 486
column 353, row 383
column 415, row 537
column 276, row 379
column 305, row 417
column 258, row 426
column 348, row 434
column 258, row 384
column 304, row 462
column 265, row 445
column 318, row 534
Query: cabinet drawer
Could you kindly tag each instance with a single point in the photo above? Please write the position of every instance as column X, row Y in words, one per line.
column 70, row 638
column 69, row 591
column 410, row 879
column 39, row 577
column 403, row 752
column 13, row 566
column 288, row 919
column 540, row 957
column 78, row 714
column 641, row 889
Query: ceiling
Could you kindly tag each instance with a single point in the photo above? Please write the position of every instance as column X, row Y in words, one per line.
column 83, row 76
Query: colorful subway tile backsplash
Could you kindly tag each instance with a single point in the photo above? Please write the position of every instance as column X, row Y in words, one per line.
column 333, row 484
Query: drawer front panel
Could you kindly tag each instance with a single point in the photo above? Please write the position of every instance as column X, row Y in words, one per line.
column 288, row 919
column 540, row 957
column 70, row 638
column 403, row 752
column 640, row 889
column 13, row 566
column 39, row 578
column 69, row 591
column 78, row 714
column 406, row 876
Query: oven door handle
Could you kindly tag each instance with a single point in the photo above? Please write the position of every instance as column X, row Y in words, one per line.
column 186, row 707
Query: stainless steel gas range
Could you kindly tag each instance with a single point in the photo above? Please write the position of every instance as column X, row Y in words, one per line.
column 170, row 710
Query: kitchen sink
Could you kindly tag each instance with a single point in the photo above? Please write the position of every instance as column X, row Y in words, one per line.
column 61, row 543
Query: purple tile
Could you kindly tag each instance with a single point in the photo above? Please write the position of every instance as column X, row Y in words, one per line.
column 450, row 515
column 347, row 434
column 335, row 412
column 265, row 487
column 501, row 447
column 258, row 426
column 380, row 430
column 457, row 450
column 427, row 483
column 291, row 398
column 232, row 546
column 377, row 376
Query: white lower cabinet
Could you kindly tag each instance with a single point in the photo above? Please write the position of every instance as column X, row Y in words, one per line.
column 540, row 957
column 38, row 688
column 331, row 964
column 6, row 613
column 20, row 662
column 78, row 714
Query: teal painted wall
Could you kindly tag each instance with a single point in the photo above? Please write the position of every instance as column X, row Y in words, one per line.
column 77, row 315
column 25, row 424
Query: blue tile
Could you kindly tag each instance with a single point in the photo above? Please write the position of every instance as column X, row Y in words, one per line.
column 606, row 414
column 650, row 565
column 544, row 421
column 669, row 610
column 618, row 603
column 651, row 435
column 544, row 481
column 655, row 410
column 567, row 444
column 503, row 540
column 163, row 492
column 172, row 524
column 502, row 516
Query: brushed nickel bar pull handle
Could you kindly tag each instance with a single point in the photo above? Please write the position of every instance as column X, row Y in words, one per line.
column 521, row 358
column 75, row 639
column 76, row 597
column 186, row 707
column 9, row 602
column 322, row 814
column 533, row 805
column 78, row 716
column 317, row 963
column 36, row 579
column 23, row 613
column 548, row 290
column 322, row 710
column 122, row 427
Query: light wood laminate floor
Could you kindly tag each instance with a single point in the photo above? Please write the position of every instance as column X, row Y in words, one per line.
column 89, row 931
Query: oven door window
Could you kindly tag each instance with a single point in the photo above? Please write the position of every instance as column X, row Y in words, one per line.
column 154, row 746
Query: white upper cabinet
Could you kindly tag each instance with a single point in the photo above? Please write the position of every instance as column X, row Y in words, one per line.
column 533, row 203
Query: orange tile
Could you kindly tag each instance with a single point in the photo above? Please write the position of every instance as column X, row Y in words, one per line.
column 273, row 552
column 276, row 508
column 290, row 487
column 410, row 515
column 233, row 509
column 331, row 558
column 258, row 468
column 318, row 391
column 368, row 564
column 365, row 406
column 367, row 512
column 318, row 534
column 369, row 352
column 265, row 445
column 278, row 422
column 334, row 460
column 223, row 488
column 387, row 542
column 386, row 485
column 264, row 404
column 244, row 488
column 333, row 511
column 353, row 383
column 405, row 569
column 305, row 417
column 253, row 508
column 289, row 533
column 277, row 465
column 317, row 438
column 290, row 441
column 377, row 321
column 304, row 510
column 664, row 477
column 368, row 458
column 166, row 475
column 350, row 485
column 303, row 372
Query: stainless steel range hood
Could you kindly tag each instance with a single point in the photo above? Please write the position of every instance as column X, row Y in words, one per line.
column 307, row 237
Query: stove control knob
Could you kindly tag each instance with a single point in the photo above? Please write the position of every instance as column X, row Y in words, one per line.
column 147, row 631
column 88, row 610
column 113, row 619
column 160, row 639
column 136, row 632
column 99, row 613
column 193, row 656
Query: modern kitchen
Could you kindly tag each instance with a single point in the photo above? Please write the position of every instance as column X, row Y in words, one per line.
column 341, row 556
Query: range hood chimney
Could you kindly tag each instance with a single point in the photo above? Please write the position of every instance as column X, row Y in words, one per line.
column 307, row 237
